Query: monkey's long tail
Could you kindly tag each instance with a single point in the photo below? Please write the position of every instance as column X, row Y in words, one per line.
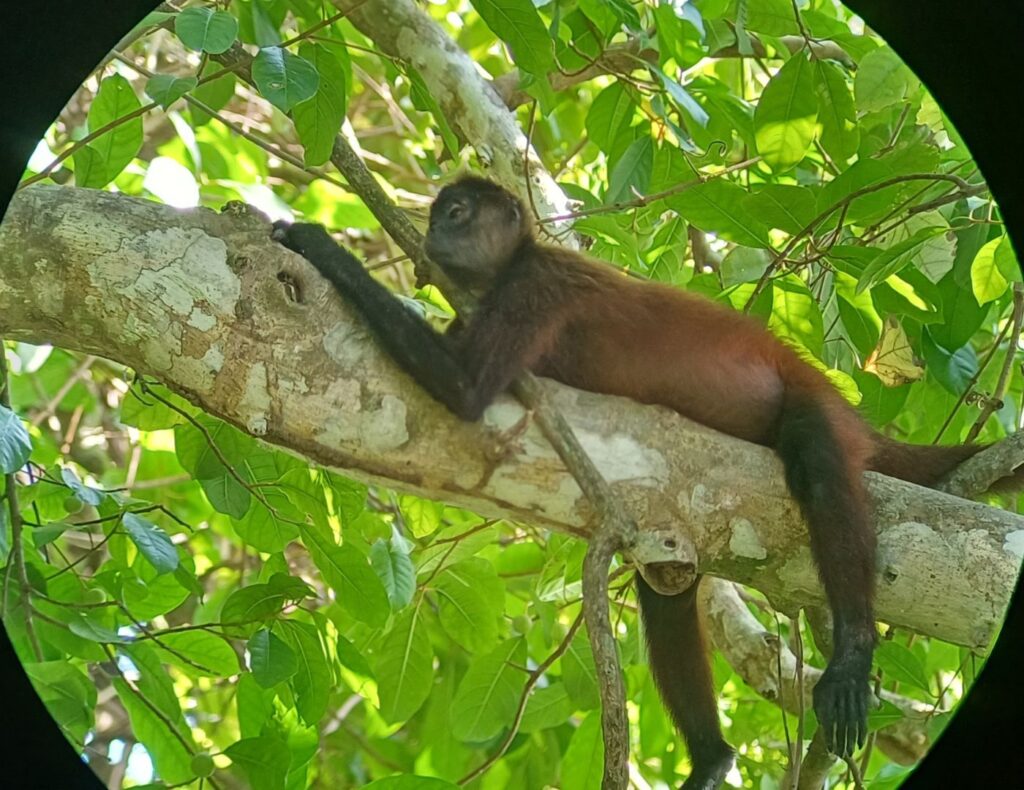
column 926, row 465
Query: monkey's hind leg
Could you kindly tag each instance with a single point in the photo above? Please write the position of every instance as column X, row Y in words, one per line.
column 679, row 664
column 824, row 476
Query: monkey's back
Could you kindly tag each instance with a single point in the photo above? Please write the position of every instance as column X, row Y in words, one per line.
column 657, row 344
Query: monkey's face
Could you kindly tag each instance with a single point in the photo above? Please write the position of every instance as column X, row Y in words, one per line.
column 475, row 229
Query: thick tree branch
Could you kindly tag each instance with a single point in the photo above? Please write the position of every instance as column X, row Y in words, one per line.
column 193, row 298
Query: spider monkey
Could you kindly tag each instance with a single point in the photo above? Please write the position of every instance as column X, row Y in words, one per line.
column 556, row 313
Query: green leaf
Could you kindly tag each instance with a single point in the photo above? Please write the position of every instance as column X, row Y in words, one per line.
column 390, row 561
column 82, row 492
column 270, row 658
column 312, row 680
column 284, row 79
column 88, row 627
column 318, row 119
column 15, row 445
column 259, row 601
column 583, row 763
column 170, row 757
column 786, row 118
column 265, row 529
column 157, row 595
column 610, row 115
column 783, row 206
column 406, row 659
column 206, row 30
column 200, row 652
column 892, row 260
column 836, row 113
column 1006, row 261
column 153, row 542
column 899, row 662
column 987, row 280
column 882, row 80
column 717, row 206
column 795, row 313
column 743, row 265
column 961, row 315
column 632, row 171
column 358, row 589
column 149, row 414
column 214, row 94
column 884, row 716
column 264, row 760
column 547, row 707
column 771, row 17
column 579, row 673
column 104, row 158
column 954, row 370
column 470, row 600
column 165, row 89
column 67, row 692
column 488, row 695
column 517, row 23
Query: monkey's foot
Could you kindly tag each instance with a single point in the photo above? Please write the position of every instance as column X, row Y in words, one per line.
column 841, row 699
column 709, row 772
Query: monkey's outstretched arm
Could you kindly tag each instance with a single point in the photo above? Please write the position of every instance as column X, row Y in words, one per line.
column 500, row 341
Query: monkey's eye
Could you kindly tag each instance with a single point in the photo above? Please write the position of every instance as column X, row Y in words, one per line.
column 456, row 212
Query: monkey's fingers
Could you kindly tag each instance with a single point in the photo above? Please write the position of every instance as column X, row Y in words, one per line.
column 302, row 237
column 841, row 703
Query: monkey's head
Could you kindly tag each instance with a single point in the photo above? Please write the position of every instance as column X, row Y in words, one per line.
column 476, row 227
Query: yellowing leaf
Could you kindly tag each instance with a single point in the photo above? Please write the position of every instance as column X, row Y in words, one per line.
column 893, row 359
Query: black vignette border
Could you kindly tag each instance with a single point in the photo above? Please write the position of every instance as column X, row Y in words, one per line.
column 49, row 47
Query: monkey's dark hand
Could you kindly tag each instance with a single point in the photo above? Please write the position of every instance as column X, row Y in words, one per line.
column 841, row 699
column 315, row 244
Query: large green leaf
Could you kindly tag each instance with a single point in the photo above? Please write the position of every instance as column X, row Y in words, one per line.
column 783, row 206
column 99, row 162
column 358, row 589
column 786, row 118
column 405, row 659
column 270, row 658
column 15, row 445
column 718, row 207
column 264, row 761
column 165, row 89
column 200, row 653
column 318, row 119
column 583, row 763
column 153, row 542
column 489, row 693
column 517, row 23
column 312, row 680
column 206, row 30
column 170, row 756
column 470, row 600
column 882, row 80
column 390, row 561
column 284, row 79
column 836, row 113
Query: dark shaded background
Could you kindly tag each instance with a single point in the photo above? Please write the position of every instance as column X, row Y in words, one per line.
column 966, row 53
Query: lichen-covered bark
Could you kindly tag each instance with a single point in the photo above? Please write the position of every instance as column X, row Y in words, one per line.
column 193, row 298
